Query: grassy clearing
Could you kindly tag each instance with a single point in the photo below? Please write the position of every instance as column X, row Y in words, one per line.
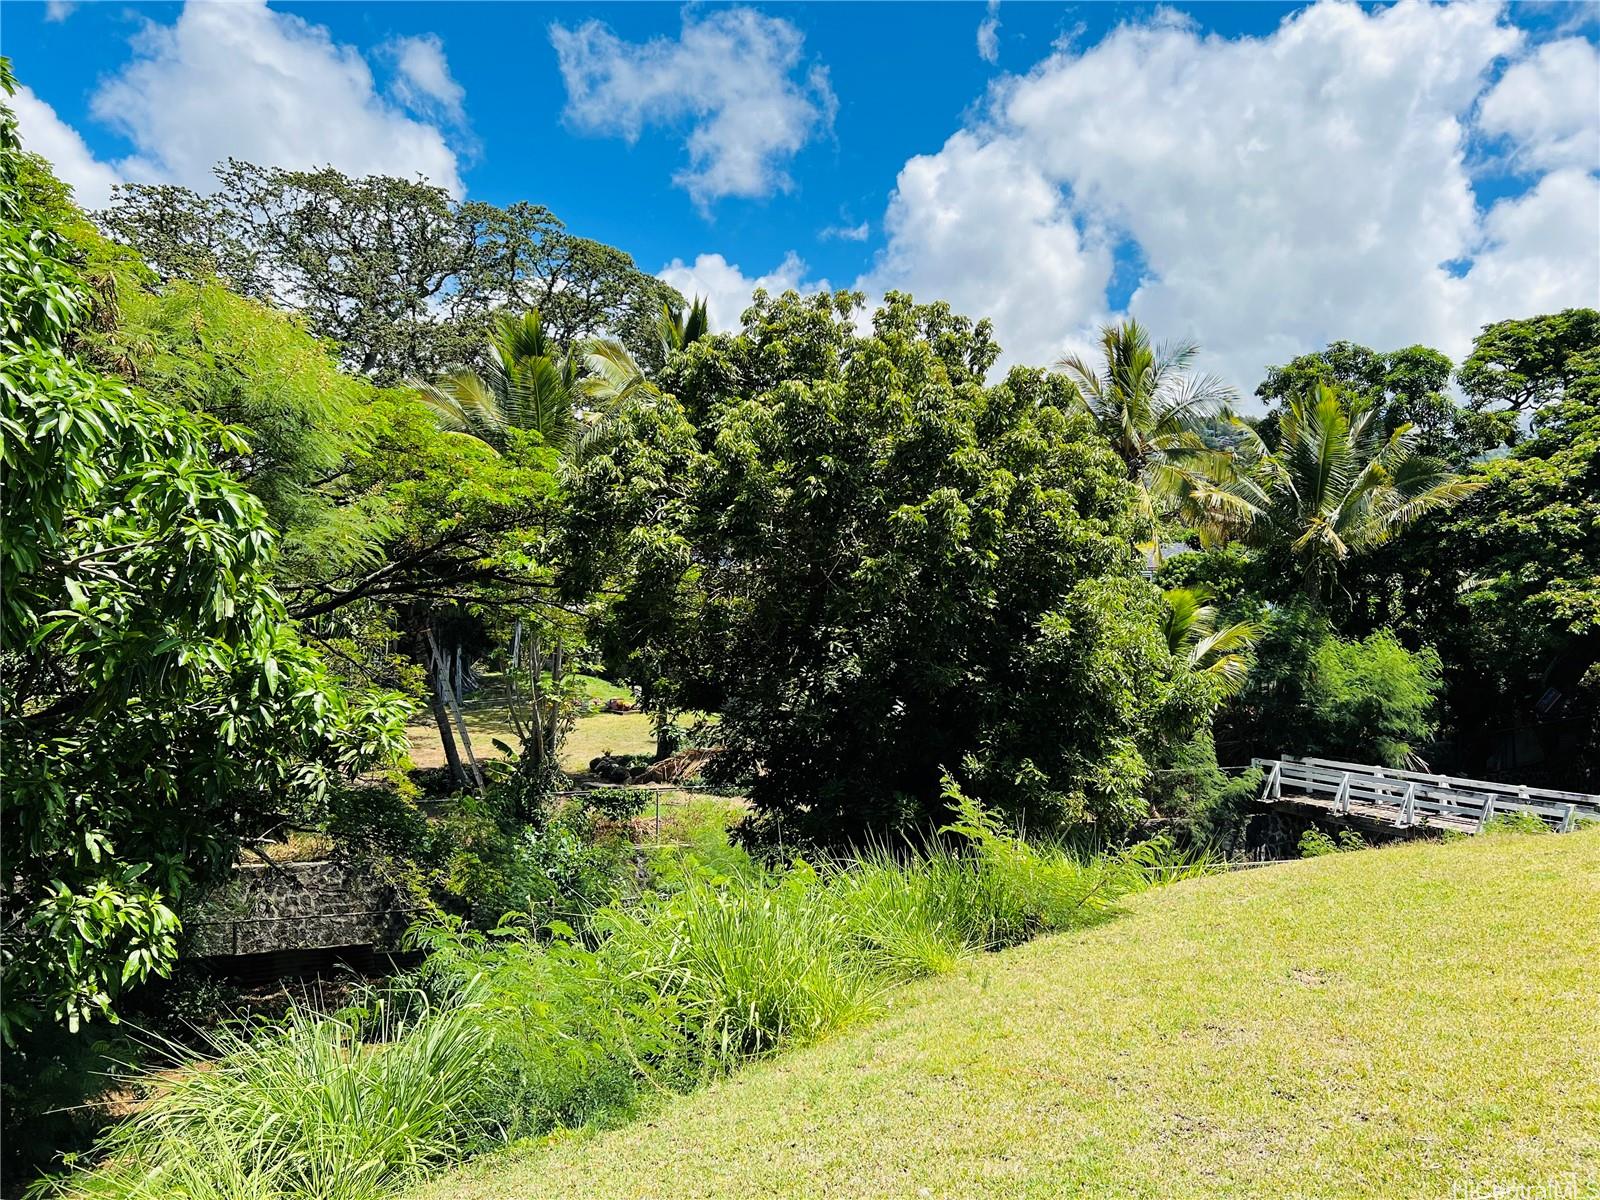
column 1410, row 1022
column 593, row 735
column 606, row 733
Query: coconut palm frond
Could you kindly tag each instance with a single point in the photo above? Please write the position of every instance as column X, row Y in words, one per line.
column 1188, row 614
column 1190, row 627
column 678, row 329
column 613, row 376
column 539, row 394
column 463, row 403
column 517, row 339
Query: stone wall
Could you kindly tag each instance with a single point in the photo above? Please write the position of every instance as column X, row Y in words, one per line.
column 299, row 906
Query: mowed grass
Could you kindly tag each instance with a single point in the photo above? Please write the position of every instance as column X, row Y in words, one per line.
column 605, row 733
column 1417, row 1021
column 591, row 736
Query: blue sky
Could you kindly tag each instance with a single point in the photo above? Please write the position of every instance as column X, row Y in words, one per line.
column 1259, row 177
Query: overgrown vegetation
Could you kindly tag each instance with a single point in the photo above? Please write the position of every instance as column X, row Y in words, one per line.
column 521, row 1030
column 1217, row 1039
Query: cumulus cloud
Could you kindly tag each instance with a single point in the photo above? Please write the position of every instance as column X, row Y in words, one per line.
column 43, row 132
column 727, row 289
column 423, row 81
column 734, row 76
column 980, row 225
column 1280, row 191
column 989, row 34
column 1541, row 252
column 1549, row 105
column 240, row 79
column 58, row 10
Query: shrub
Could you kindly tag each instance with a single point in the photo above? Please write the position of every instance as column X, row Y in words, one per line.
column 1373, row 695
column 1311, row 692
column 616, row 803
column 1314, row 843
column 1521, row 822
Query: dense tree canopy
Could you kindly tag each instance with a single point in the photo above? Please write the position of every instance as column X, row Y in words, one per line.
column 157, row 706
column 875, row 568
column 1403, row 387
column 1523, row 365
column 401, row 276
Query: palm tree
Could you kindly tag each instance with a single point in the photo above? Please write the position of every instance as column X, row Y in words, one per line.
column 1151, row 407
column 1335, row 484
column 525, row 384
column 684, row 327
column 1190, row 626
column 528, row 384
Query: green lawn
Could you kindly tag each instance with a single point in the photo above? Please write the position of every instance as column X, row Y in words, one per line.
column 1409, row 1022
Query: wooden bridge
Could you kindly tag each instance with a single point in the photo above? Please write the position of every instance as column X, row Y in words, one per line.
column 1409, row 799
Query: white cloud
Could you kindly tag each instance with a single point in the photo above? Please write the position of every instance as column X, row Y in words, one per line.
column 238, row 79
column 423, row 82
column 979, row 225
column 727, row 289
column 58, row 10
column 1282, row 191
column 1541, row 252
column 847, row 233
column 45, row 133
column 989, row 34
column 734, row 75
column 1549, row 105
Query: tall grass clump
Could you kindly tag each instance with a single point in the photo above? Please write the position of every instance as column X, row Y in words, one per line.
column 518, row 1031
column 749, row 964
column 344, row 1107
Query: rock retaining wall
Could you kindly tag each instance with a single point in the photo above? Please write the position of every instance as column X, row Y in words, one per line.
column 299, row 906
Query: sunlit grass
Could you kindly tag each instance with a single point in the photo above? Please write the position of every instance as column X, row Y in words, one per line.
column 1390, row 1023
column 719, row 962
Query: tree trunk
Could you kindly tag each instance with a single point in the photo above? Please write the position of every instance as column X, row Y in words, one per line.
column 552, row 739
column 441, row 717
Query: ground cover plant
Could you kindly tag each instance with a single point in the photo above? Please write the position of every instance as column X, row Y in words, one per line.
column 521, row 1031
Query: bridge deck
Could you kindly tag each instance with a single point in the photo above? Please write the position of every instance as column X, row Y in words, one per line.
column 1381, row 814
column 1413, row 799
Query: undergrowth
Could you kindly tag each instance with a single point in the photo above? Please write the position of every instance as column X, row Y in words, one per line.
column 519, row 1031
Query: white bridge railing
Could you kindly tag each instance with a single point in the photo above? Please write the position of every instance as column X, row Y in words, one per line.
column 1414, row 797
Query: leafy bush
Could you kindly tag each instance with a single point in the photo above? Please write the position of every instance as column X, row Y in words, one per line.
column 1314, row 842
column 1521, row 822
column 616, row 803
column 1311, row 692
column 1372, row 695
column 492, row 864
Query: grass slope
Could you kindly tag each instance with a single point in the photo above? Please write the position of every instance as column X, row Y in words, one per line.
column 1415, row 1021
